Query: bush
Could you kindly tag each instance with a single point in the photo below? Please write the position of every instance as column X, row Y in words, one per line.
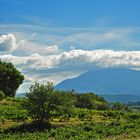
column 102, row 106
column 2, row 95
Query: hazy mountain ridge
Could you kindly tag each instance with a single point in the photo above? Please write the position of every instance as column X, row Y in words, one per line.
column 124, row 98
column 110, row 81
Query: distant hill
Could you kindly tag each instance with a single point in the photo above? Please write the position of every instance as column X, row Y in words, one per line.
column 124, row 98
column 110, row 81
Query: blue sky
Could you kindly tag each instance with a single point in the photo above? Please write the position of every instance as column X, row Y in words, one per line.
column 72, row 13
column 52, row 40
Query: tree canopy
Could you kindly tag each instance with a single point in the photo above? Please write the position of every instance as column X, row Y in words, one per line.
column 90, row 101
column 10, row 78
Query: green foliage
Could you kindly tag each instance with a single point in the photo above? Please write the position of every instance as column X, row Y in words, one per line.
column 13, row 113
column 83, row 114
column 85, row 131
column 102, row 106
column 85, row 101
column 118, row 106
column 38, row 101
column 62, row 104
column 10, row 79
column 43, row 102
column 112, row 114
column 133, row 116
column 2, row 95
column 91, row 101
column 115, row 123
column 90, row 130
column 25, row 136
column 12, row 110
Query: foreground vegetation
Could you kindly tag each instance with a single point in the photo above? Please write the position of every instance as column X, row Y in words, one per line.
column 83, row 124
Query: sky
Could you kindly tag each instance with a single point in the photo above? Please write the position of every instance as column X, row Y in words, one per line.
column 53, row 40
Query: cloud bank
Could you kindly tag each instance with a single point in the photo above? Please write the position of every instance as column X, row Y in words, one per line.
column 77, row 58
column 71, row 63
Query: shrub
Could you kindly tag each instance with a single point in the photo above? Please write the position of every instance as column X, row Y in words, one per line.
column 2, row 95
column 43, row 102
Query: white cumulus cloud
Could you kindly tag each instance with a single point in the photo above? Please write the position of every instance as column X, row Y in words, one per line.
column 8, row 43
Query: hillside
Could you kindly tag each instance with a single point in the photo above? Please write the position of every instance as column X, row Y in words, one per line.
column 108, row 81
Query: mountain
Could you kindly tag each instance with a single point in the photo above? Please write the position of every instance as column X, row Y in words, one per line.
column 109, row 81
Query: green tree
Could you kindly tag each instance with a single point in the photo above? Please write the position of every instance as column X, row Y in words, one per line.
column 44, row 102
column 90, row 101
column 63, row 104
column 10, row 79
column 85, row 101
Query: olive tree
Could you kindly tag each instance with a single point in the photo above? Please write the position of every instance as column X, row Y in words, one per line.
column 44, row 102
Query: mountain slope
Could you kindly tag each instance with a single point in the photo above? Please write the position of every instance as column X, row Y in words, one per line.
column 105, row 81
